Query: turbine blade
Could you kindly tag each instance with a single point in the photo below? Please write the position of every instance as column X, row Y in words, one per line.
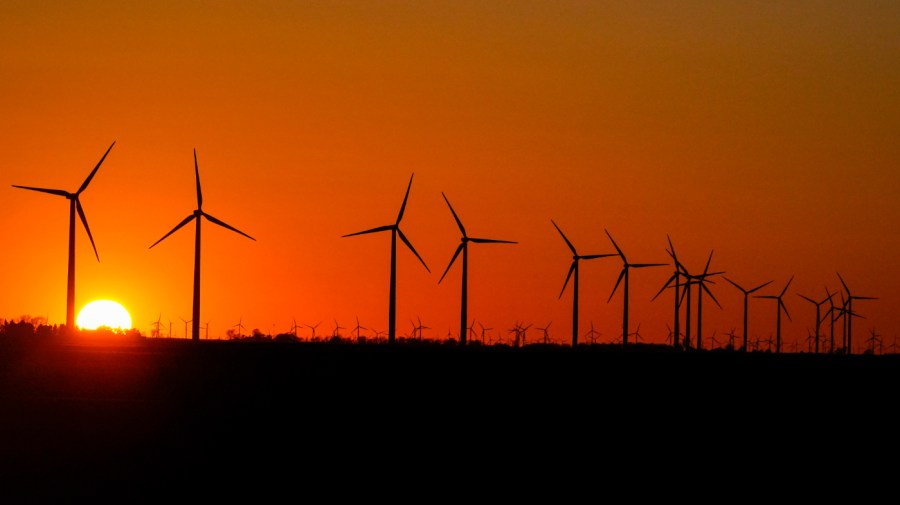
column 568, row 276
column 197, row 176
column 708, row 292
column 405, row 198
column 671, row 247
column 564, row 238
column 843, row 283
column 455, row 254
column 595, row 256
column 491, row 241
column 783, row 291
column 810, row 300
column 783, row 306
column 864, row 298
column 642, row 265
column 411, row 248
column 615, row 245
column 684, row 292
column 87, row 181
column 224, row 225
column 665, row 286
column 86, row 227
column 173, row 230
column 458, row 222
column 373, row 230
column 621, row 274
column 57, row 192
column 708, row 260
column 736, row 285
column 760, row 286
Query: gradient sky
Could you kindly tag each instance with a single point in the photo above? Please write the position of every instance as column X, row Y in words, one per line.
column 765, row 131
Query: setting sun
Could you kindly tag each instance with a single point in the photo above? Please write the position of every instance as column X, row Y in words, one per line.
column 106, row 313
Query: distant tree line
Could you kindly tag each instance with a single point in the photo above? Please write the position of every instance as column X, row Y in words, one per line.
column 37, row 327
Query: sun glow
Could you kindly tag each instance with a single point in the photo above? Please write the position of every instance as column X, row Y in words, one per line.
column 103, row 313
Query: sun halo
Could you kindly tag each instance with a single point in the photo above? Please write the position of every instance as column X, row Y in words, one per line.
column 103, row 313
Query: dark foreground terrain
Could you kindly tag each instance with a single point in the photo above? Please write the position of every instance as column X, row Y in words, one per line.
column 150, row 420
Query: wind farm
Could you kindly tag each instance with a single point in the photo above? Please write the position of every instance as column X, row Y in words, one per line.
column 688, row 288
column 648, row 135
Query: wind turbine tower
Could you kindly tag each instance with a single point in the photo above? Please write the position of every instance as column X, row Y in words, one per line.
column 780, row 306
column 623, row 274
column 464, row 249
column 74, row 207
column 395, row 232
column 195, row 216
column 573, row 274
column 747, row 293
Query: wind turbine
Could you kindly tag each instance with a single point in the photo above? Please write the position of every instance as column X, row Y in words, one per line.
column 185, row 324
column 464, row 248
column 358, row 327
column 701, row 283
column 157, row 323
column 819, row 317
column 524, row 333
column 239, row 326
column 395, row 231
column 779, row 307
column 832, row 318
column 313, row 328
column 592, row 334
column 850, row 298
column 337, row 330
column 875, row 341
column 573, row 269
column 546, row 334
column 747, row 293
column 74, row 207
column 676, row 278
column 483, row 330
column 626, row 267
column 636, row 334
column 195, row 216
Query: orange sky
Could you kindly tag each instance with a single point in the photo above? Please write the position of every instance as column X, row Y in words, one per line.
column 765, row 131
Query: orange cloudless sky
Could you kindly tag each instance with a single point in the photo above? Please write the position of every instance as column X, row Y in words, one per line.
column 765, row 132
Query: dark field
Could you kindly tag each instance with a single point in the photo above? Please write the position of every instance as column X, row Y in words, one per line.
column 140, row 420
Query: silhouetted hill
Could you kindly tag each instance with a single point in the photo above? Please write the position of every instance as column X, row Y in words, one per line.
column 83, row 417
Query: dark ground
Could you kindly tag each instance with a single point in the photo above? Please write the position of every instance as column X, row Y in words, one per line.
column 148, row 420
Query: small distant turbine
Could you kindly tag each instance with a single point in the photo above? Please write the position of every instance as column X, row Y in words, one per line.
column 240, row 327
column 546, row 334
